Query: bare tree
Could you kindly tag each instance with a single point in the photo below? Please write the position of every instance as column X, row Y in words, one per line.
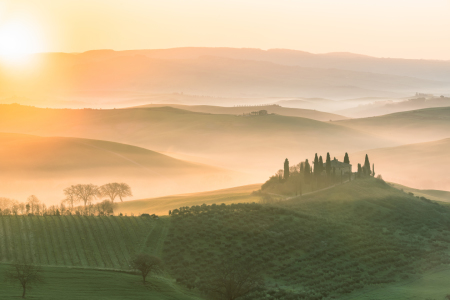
column 145, row 264
column 26, row 274
column 71, row 196
column 232, row 280
column 114, row 189
column 110, row 190
column 33, row 202
column 124, row 191
column 86, row 192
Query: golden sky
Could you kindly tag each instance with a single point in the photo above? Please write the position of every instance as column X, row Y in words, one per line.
column 394, row 28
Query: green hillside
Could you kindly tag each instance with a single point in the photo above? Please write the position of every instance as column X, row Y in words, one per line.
column 413, row 126
column 359, row 236
column 326, row 245
column 239, row 110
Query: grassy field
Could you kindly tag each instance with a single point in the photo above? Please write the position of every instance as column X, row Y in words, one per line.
column 94, row 242
column 162, row 205
column 76, row 283
column 431, row 286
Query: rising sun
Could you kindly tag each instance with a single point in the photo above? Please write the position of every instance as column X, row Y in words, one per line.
column 17, row 41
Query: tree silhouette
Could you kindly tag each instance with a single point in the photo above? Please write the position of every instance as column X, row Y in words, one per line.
column 146, row 263
column 328, row 165
column 86, row 192
column 367, row 166
column 316, row 165
column 346, row 159
column 286, row 169
column 71, row 196
column 26, row 274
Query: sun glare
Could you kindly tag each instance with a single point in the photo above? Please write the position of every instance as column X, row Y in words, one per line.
column 17, row 41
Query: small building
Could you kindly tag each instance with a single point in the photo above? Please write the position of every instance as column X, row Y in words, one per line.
column 340, row 166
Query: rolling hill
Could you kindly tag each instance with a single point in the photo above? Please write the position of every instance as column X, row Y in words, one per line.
column 436, row 195
column 44, row 166
column 256, row 144
column 162, row 205
column 423, row 125
column 384, row 107
column 271, row 109
column 422, row 165
column 357, row 236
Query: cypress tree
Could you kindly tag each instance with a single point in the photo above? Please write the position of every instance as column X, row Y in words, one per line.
column 359, row 170
column 367, row 166
column 316, row 165
column 328, row 165
column 373, row 170
column 286, row 169
column 346, row 159
column 321, row 165
column 307, row 170
column 302, row 167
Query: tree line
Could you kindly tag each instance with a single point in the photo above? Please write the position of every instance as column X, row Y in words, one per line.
column 319, row 173
column 85, row 194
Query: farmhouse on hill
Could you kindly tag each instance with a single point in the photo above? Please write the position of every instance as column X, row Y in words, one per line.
column 341, row 166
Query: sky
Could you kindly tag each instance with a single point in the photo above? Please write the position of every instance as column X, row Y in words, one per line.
column 381, row 28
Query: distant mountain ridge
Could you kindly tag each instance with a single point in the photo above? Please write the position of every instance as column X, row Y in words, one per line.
column 226, row 72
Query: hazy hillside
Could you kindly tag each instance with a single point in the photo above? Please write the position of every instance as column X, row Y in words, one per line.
column 257, row 144
column 131, row 73
column 407, row 127
column 383, row 107
column 275, row 109
column 162, row 205
column 437, row 195
column 44, row 166
column 422, row 166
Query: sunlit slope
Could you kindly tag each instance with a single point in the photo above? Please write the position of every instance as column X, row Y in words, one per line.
column 252, row 144
column 239, row 110
column 162, row 205
column 407, row 127
column 325, row 245
column 422, row 165
column 44, row 166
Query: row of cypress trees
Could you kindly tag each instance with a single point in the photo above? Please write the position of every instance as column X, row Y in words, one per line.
column 319, row 166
